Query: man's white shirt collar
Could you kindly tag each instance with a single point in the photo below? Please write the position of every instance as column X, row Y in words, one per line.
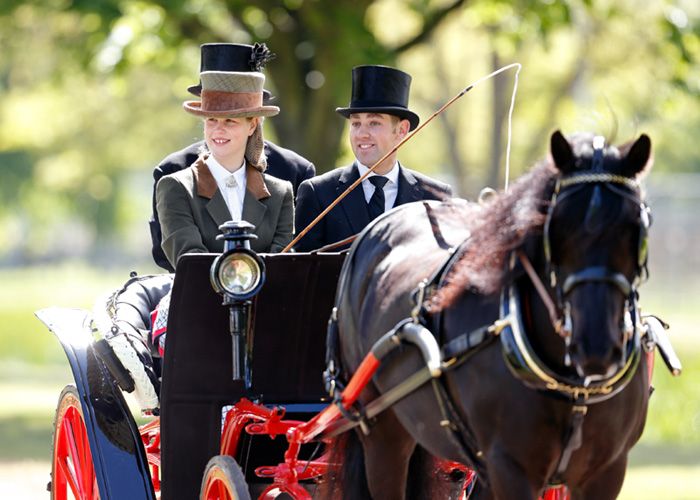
column 392, row 175
column 391, row 188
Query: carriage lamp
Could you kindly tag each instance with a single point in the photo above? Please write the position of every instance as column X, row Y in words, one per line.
column 238, row 274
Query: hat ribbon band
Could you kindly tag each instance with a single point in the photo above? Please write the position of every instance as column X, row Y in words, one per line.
column 216, row 100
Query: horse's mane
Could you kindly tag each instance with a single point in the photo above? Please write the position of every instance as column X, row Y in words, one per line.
column 500, row 226
column 506, row 220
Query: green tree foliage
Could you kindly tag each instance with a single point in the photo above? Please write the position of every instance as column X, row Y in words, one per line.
column 91, row 90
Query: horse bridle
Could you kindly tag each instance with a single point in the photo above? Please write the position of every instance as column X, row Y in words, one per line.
column 592, row 274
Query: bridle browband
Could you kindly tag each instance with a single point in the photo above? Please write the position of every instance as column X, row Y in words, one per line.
column 598, row 177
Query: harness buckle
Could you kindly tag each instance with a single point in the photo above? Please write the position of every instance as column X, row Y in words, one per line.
column 419, row 299
column 330, row 378
column 582, row 409
column 447, row 424
column 356, row 413
column 497, row 327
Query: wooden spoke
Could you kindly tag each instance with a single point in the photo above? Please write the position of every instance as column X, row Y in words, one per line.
column 73, row 472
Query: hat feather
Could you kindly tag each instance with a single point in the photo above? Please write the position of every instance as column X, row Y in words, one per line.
column 259, row 56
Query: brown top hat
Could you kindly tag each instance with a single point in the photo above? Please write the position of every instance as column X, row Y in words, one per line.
column 233, row 57
column 380, row 89
column 231, row 94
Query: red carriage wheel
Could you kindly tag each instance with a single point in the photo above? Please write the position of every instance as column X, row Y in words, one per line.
column 72, row 471
column 223, row 480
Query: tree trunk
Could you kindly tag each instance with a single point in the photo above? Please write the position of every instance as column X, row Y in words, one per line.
column 329, row 45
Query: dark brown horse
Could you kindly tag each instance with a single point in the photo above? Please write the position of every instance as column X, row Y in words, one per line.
column 553, row 392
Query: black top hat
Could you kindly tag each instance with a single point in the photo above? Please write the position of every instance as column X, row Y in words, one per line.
column 233, row 57
column 380, row 89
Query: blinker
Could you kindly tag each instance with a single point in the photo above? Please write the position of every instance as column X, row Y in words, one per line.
column 644, row 223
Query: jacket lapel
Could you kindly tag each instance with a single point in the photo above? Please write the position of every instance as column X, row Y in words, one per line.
column 206, row 184
column 254, row 204
column 253, row 209
column 408, row 188
column 218, row 209
column 354, row 204
column 207, row 188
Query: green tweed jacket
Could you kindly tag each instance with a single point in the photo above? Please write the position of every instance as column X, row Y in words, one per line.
column 192, row 208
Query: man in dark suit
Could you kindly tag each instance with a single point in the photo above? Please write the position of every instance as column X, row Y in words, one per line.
column 379, row 119
column 281, row 163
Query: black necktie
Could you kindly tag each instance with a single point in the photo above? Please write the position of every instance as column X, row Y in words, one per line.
column 376, row 202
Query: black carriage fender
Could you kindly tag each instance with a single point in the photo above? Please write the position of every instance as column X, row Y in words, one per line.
column 121, row 468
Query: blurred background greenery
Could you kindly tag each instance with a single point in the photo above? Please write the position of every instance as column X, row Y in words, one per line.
column 90, row 101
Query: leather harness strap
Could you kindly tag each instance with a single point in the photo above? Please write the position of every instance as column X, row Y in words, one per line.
column 554, row 315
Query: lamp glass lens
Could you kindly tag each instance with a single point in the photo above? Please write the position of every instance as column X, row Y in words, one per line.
column 239, row 274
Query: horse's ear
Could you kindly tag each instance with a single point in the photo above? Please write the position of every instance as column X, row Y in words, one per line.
column 636, row 155
column 562, row 153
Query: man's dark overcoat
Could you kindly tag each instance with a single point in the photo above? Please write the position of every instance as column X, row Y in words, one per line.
column 351, row 215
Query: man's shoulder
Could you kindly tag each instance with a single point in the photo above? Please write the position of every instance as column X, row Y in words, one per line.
column 429, row 181
column 276, row 185
column 275, row 152
column 178, row 160
column 186, row 177
column 329, row 178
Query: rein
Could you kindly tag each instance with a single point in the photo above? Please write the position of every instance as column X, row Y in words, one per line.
column 542, row 292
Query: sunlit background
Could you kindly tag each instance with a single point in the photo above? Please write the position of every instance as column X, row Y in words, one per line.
column 90, row 102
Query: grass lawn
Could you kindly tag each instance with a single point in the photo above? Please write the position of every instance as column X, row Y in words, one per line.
column 29, row 403
column 662, row 482
column 23, row 291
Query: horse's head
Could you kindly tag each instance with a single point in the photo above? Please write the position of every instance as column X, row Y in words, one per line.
column 595, row 245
